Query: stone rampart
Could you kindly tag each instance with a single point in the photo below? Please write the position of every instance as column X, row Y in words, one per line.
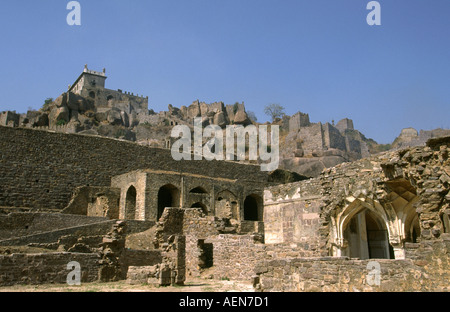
column 41, row 169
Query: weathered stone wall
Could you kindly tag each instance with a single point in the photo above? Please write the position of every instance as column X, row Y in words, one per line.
column 345, row 124
column 427, row 270
column 94, row 202
column 24, row 224
column 52, row 234
column 298, row 121
column 408, row 190
column 235, row 256
column 311, row 137
column 219, row 197
column 196, row 227
column 51, row 268
column 41, row 169
column 333, row 138
column 10, row 119
column 212, row 244
column 292, row 215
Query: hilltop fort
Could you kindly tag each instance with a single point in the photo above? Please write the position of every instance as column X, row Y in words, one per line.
column 124, row 209
column 307, row 148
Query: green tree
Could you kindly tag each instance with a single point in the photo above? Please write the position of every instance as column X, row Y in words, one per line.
column 274, row 111
column 47, row 102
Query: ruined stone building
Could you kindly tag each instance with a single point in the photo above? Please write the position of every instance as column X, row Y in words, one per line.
column 91, row 84
column 130, row 212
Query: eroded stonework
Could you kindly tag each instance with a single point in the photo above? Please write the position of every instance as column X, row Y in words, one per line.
column 148, row 219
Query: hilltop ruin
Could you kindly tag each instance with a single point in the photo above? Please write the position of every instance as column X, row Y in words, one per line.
column 129, row 211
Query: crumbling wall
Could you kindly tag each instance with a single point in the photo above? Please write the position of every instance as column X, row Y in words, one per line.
column 292, row 216
column 333, row 138
column 426, row 270
column 94, row 202
column 48, row 268
column 298, row 121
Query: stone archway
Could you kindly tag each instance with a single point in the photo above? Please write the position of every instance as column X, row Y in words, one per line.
column 130, row 203
column 367, row 237
column 349, row 228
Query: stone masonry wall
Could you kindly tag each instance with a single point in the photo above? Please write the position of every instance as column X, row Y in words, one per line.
column 427, row 270
column 51, row 268
column 40, row 169
column 25, row 224
column 292, row 216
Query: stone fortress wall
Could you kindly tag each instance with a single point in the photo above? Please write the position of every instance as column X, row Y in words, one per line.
column 217, row 219
column 41, row 169
column 308, row 239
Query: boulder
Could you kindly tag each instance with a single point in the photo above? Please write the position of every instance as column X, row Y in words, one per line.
column 220, row 120
column 241, row 118
column 57, row 114
column 114, row 117
column 193, row 110
column 101, row 116
column 61, row 100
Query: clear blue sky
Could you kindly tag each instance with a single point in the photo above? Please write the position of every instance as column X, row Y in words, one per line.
column 317, row 56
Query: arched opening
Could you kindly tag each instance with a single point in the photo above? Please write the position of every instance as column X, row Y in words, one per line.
column 92, row 94
column 253, row 208
column 413, row 234
column 168, row 196
column 201, row 206
column 367, row 237
column 130, row 204
column 198, row 190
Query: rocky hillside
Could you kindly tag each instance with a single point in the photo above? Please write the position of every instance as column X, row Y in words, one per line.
column 306, row 148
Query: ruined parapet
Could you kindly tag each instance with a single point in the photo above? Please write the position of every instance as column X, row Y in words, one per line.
column 10, row 119
column 94, row 202
column 345, row 124
column 333, row 138
column 298, row 121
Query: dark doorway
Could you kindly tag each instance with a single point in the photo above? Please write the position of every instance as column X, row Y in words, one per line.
column 252, row 208
column 168, row 196
column 206, row 254
column 130, row 204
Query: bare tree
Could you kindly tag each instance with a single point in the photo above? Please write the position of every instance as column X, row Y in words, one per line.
column 274, row 111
